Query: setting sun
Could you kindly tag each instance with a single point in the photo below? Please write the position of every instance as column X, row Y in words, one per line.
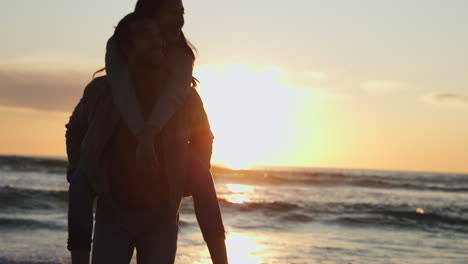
column 250, row 113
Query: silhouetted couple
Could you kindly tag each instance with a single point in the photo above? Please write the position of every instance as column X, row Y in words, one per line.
column 139, row 141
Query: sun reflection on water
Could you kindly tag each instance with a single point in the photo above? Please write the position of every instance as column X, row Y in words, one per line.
column 243, row 249
column 239, row 193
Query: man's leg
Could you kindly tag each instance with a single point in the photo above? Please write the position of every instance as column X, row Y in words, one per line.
column 157, row 243
column 112, row 243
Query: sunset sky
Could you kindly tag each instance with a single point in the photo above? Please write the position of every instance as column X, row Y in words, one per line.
column 368, row 84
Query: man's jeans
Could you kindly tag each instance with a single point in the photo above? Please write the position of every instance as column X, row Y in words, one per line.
column 80, row 211
column 118, row 232
column 109, row 231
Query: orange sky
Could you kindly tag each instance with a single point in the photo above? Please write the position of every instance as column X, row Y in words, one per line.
column 280, row 123
column 379, row 84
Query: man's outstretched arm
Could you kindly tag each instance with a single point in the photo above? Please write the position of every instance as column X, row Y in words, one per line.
column 202, row 186
column 207, row 209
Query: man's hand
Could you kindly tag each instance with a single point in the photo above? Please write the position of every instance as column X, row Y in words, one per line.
column 145, row 155
column 218, row 252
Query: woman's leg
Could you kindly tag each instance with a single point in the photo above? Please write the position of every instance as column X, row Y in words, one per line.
column 80, row 212
column 112, row 243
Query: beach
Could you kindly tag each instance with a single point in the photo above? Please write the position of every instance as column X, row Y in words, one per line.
column 273, row 215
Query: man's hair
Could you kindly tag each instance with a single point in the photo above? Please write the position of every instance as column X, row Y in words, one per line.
column 123, row 33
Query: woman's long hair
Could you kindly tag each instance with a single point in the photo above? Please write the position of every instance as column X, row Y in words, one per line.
column 151, row 7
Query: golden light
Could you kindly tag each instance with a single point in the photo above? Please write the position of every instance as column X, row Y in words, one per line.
column 238, row 188
column 240, row 193
column 243, row 249
column 250, row 112
column 240, row 249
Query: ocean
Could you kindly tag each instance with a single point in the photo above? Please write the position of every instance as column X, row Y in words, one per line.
column 272, row 215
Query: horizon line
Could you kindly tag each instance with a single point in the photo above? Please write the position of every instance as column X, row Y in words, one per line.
column 267, row 167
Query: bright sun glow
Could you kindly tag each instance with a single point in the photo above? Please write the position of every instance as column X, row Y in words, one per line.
column 243, row 249
column 239, row 188
column 239, row 193
column 249, row 111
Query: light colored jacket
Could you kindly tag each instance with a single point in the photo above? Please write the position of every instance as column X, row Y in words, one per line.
column 92, row 124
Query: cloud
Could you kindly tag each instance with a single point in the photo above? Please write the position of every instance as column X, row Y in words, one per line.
column 48, row 90
column 316, row 76
column 305, row 78
column 58, row 87
column 447, row 99
column 260, row 82
column 383, row 86
column 51, row 62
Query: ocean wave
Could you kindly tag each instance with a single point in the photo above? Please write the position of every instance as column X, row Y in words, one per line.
column 4, row 260
column 19, row 163
column 28, row 199
column 251, row 206
column 406, row 220
column 441, row 182
column 331, row 208
column 27, row 224
column 451, row 218
column 295, row 217
column 457, row 183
